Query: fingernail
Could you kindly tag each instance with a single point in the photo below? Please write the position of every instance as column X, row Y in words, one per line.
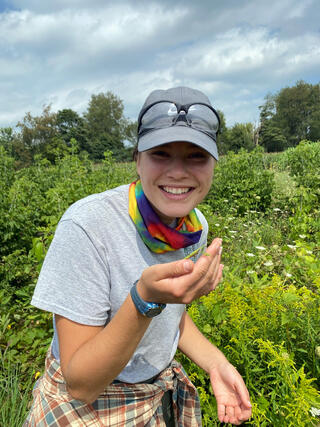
column 220, row 250
column 187, row 266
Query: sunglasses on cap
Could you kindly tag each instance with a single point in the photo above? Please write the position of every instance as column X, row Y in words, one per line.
column 164, row 114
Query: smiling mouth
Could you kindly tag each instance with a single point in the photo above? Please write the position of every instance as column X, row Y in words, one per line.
column 176, row 190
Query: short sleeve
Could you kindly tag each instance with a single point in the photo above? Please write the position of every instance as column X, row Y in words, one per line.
column 74, row 279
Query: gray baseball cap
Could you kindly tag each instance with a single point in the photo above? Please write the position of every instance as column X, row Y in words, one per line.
column 192, row 119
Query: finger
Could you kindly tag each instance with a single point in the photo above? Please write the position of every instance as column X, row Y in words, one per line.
column 230, row 413
column 218, row 277
column 245, row 413
column 221, row 412
column 238, row 412
column 234, row 414
column 214, row 248
column 208, row 263
column 213, row 280
column 243, row 394
column 170, row 269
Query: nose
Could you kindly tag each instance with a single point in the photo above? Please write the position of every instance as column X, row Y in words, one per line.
column 177, row 168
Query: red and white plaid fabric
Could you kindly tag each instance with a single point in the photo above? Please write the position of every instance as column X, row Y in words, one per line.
column 121, row 404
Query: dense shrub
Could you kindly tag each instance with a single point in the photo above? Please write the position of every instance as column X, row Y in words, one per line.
column 264, row 316
column 269, row 332
column 304, row 164
column 241, row 182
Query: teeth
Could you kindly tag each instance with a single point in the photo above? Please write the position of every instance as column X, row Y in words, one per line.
column 174, row 190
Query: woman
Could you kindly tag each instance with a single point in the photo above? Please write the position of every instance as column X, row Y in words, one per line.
column 117, row 279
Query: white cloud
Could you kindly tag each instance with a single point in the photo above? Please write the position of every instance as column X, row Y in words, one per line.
column 62, row 52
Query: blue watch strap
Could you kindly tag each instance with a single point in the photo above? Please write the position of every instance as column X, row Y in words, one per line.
column 149, row 309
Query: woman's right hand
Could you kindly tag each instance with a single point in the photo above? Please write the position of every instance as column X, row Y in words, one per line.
column 181, row 282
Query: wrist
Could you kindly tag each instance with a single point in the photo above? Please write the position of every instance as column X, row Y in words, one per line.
column 142, row 291
column 217, row 364
column 146, row 308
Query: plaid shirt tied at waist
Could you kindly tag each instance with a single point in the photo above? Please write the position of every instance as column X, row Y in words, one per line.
column 121, row 404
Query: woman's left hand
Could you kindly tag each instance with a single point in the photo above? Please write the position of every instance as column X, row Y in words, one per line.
column 233, row 400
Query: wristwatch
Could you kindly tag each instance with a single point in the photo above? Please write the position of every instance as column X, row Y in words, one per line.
column 148, row 309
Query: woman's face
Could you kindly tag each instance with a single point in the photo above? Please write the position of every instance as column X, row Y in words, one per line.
column 175, row 177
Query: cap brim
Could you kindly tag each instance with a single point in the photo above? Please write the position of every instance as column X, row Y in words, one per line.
column 158, row 137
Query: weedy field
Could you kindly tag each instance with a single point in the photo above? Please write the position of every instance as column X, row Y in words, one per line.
column 265, row 314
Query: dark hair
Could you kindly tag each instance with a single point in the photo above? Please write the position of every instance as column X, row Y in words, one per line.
column 135, row 153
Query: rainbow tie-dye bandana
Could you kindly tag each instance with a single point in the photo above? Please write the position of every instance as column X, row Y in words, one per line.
column 157, row 236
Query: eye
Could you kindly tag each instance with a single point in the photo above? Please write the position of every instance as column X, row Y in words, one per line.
column 198, row 155
column 160, row 154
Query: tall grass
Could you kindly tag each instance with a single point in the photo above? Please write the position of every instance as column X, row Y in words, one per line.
column 14, row 395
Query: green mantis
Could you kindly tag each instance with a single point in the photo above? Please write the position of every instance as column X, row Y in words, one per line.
column 201, row 248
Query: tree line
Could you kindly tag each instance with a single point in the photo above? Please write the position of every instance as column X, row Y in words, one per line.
column 286, row 118
column 102, row 127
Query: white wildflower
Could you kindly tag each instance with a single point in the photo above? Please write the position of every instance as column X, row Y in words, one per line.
column 245, row 225
column 315, row 412
column 288, row 274
column 217, row 225
column 250, row 254
column 268, row 263
column 250, row 271
column 277, row 209
column 260, row 248
column 233, row 231
column 291, row 246
column 309, row 252
column 302, row 236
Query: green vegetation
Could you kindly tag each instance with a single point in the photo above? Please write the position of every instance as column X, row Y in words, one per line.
column 264, row 315
column 291, row 115
column 286, row 118
column 102, row 127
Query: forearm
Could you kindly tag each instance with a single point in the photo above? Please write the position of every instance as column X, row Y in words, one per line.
column 196, row 346
column 97, row 362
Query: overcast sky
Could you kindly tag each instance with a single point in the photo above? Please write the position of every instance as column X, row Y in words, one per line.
column 60, row 52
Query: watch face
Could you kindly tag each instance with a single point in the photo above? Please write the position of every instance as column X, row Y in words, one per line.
column 153, row 311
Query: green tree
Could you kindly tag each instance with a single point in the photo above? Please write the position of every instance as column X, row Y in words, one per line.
column 12, row 142
column 6, row 139
column 71, row 125
column 296, row 106
column 221, row 140
column 291, row 115
column 271, row 137
column 241, row 135
column 105, row 125
column 38, row 132
column 131, row 133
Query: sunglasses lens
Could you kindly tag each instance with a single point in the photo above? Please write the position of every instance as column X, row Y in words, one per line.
column 203, row 118
column 165, row 114
column 159, row 116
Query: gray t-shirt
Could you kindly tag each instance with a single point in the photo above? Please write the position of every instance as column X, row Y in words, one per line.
column 94, row 258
